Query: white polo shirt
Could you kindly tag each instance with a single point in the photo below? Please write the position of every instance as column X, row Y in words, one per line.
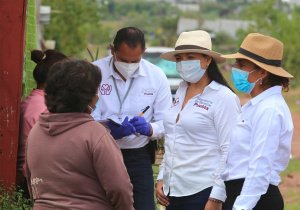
column 260, row 146
column 149, row 87
column 196, row 146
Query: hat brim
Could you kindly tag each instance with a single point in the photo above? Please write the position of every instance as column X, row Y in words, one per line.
column 171, row 55
column 272, row 69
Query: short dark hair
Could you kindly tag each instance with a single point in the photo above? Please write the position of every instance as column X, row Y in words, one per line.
column 273, row 80
column 71, row 85
column 131, row 36
column 44, row 61
column 214, row 74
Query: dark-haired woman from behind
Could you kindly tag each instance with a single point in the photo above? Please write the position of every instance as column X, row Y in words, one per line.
column 72, row 161
column 197, row 128
column 34, row 104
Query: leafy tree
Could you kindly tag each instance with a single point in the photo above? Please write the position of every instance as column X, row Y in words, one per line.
column 157, row 20
column 281, row 21
column 73, row 24
column 30, row 44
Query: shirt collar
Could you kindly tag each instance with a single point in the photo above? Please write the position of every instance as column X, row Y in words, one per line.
column 265, row 94
column 212, row 85
column 113, row 73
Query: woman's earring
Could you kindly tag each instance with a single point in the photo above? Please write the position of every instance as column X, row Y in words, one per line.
column 261, row 82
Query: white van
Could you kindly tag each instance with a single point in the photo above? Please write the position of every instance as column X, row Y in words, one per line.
column 152, row 55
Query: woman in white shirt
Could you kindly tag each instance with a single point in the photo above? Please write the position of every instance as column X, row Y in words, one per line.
column 197, row 128
column 261, row 141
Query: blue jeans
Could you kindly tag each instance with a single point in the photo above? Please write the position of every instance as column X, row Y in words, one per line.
column 192, row 202
column 139, row 167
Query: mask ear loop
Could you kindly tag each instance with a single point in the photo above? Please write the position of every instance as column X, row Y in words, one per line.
column 260, row 79
column 90, row 108
column 207, row 64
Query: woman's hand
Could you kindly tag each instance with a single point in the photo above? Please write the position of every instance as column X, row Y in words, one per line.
column 213, row 205
column 160, row 196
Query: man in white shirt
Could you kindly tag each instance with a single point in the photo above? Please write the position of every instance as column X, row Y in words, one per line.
column 134, row 94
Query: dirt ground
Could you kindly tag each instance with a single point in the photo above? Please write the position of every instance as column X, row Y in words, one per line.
column 296, row 137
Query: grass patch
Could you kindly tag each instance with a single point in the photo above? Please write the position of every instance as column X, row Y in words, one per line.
column 11, row 199
column 294, row 166
column 293, row 201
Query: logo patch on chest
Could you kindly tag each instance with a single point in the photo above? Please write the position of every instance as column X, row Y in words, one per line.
column 203, row 104
column 105, row 89
column 148, row 92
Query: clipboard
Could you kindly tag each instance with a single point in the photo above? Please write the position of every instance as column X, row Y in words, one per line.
column 104, row 122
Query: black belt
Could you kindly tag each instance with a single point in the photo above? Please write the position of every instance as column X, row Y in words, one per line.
column 140, row 150
column 235, row 182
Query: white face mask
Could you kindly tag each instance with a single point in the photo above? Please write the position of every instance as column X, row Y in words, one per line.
column 190, row 70
column 126, row 69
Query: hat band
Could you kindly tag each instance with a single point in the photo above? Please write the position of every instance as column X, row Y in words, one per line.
column 190, row 47
column 276, row 63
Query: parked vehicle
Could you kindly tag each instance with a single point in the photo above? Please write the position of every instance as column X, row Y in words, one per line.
column 152, row 55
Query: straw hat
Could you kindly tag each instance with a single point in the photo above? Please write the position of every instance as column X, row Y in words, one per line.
column 264, row 51
column 193, row 42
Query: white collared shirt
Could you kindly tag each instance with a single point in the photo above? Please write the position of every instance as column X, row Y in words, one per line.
column 260, row 146
column 150, row 87
column 196, row 146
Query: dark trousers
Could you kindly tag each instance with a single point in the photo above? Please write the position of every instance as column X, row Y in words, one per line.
column 139, row 167
column 272, row 200
column 192, row 202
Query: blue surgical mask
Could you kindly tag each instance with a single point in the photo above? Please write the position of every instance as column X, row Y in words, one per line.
column 240, row 80
column 190, row 70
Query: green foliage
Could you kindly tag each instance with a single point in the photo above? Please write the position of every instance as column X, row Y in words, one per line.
column 30, row 44
column 12, row 199
column 224, row 43
column 282, row 22
column 74, row 24
column 157, row 20
column 294, row 166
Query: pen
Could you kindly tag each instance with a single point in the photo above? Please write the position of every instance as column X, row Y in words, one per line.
column 143, row 112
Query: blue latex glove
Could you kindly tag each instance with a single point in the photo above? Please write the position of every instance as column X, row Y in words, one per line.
column 141, row 126
column 120, row 131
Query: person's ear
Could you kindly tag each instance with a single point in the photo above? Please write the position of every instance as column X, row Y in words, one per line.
column 112, row 49
column 208, row 61
column 263, row 72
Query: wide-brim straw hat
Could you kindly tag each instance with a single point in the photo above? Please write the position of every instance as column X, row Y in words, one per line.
column 193, row 42
column 264, row 51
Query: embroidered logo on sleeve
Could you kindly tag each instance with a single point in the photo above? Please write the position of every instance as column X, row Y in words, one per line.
column 34, row 186
column 105, row 89
column 203, row 104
